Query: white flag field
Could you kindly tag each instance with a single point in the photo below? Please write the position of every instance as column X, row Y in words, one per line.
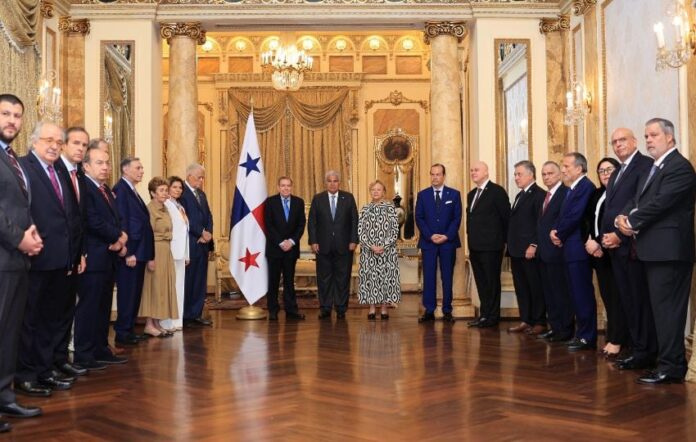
column 248, row 236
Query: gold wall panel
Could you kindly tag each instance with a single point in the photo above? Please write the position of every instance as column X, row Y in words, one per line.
column 556, row 81
column 208, row 65
column 374, row 64
column 165, row 67
column 387, row 119
column 593, row 148
column 409, row 64
column 240, row 64
column 341, row 63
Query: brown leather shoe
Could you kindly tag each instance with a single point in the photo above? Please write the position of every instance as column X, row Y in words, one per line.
column 536, row 330
column 523, row 327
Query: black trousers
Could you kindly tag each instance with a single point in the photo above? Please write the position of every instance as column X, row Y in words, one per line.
column 486, row 266
column 47, row 302
column 530, row 296
column 333, row 280
column 129, row 281
column 285, row 265
column 617, row 330
column 558, row 304
column 669, row 284
column 13, row 300
column 65, row 330
column 92, row 316
column 629, row 274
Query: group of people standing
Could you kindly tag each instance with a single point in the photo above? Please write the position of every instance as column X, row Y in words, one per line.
column 66, row 238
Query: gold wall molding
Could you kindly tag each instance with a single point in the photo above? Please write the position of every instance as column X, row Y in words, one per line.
column 580, row 6
column 435, row 29
column 561, row 23
column 68, row 25
column 47, row 9
column 396, row 98
column 192, row 30
column 507, row 3
column 308, row 76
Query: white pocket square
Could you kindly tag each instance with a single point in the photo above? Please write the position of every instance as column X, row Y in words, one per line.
column 448, row 202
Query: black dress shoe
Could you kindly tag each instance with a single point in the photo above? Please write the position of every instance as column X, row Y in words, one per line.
column 31, row 389
column 272, row 316
column 560, row 338
column 427, row 317
column 324, row 314
column 92, row 366
column 448, row 318
column 475, row 322
column 658, row 378
column 62, row 376
column 372, row 316
column 16, row 410
column 110, row 359
column 631, row 363
column 142, row 337
column 581, row 344
column 126, row 340
column 72, row 369
column 486, row 323
column 295, row 316
column 55, row 384
column 5, row 427
column 203, row 322
column 546, row 335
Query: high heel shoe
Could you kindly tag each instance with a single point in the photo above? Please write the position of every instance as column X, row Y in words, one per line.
column 384, row 316
column 157, row 334
column 371, row 316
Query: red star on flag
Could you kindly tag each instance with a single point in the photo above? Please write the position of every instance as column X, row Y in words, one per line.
column 249, row 260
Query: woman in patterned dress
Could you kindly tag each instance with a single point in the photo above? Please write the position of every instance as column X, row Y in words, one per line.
column 378, row 230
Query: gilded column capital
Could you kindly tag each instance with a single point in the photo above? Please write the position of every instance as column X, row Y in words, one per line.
column 561, row 23
column 68, row 25
column 436, row 28
column 580, row 6
column 47, row 9
column 192, row 30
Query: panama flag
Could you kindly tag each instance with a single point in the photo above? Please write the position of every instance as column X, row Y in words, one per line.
column 248, row 236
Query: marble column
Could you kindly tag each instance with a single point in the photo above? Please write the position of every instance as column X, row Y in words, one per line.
column 72, row 69
column 182, row 136
column 446, row 145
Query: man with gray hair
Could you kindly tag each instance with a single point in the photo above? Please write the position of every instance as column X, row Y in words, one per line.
column 333, row 235
column 200, row 218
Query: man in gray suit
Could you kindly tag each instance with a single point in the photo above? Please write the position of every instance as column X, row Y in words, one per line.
column 333, row 235
column 19, row 240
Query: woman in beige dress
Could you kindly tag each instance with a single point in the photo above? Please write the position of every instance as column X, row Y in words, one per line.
column 159, row 288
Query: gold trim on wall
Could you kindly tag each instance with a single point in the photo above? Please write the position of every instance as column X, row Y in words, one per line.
column 500, row 111
column 581, row 6
column 68, row 25
column 603, row 97
column 574, row 74
column 396, row 98
column 561, row 23
column 47, row 9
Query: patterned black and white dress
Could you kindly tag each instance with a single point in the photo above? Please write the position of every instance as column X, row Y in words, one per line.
column 379, row 274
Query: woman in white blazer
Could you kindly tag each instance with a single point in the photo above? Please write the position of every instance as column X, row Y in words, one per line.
column 180, row 247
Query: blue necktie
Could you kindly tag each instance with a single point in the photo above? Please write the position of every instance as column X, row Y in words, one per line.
column 333, row 206
column 286, row 208
column 650, row 175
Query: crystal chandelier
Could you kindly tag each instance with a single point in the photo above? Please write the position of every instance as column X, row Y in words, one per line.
column 288, row 66
column 684, row 39
column 49, row 100
column 578, row 101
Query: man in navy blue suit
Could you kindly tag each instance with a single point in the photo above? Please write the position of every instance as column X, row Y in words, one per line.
column 628, row 270
column 552, row 268
column 438, row 217
column 135, row 221
column 104, row 242
column 200, row 245
column 569, row 233
column 58, row 221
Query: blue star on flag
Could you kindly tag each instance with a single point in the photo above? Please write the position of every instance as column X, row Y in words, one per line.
column 250, row 164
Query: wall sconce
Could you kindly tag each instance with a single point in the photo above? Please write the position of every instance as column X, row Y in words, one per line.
column 524, row 132
column 684, row 39
column 341, row 45
column 407, row 44
column 240, row 45
column 578, row 104
column 207, row 46
column 307, row 44
column 49, row 99
column 374, row 43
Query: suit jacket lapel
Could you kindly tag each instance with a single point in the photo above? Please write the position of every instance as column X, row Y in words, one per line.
column 44, row 178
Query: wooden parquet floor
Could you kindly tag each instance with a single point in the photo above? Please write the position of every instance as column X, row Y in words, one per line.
column 356, row 380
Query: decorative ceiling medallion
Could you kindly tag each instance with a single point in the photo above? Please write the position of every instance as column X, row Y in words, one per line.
column 68, row 25
column 561, row 23
column 434, row 29
column 580, row 6
column 192, row 30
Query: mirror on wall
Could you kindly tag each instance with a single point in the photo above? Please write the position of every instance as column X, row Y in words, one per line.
column 396, row 166
column 117, row 100
column 513, row 108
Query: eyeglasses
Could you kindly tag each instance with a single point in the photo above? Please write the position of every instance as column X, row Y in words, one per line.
column 619, row 141
column 607, row 171
column 49, row 140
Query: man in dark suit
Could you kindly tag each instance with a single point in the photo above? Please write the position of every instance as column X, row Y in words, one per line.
column 551, row 266
column 661, row 216
column 488, row 213
column 135, row 221
column 569, row 233
column 628, row 270
column 71, row 166
column 522, row 243
column 438, row 217
column 57, row 218
column 333, row 235
column 104, row 243
column 19, row 240
column 285, row 222
column 200, row 245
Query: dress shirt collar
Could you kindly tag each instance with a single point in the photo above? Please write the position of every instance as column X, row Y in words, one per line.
column 483, row 186
column 190, row 187
column 528, row 187
column 659, row 161
column 575, row 183
column 129, row 184
column 553, row 190
column 629, row 159
column 68, row 164
column 43, row 163
column 96, row 183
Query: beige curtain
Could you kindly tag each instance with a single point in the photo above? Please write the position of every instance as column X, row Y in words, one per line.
column 118, row 95
column 21, row 63
column 301, row 134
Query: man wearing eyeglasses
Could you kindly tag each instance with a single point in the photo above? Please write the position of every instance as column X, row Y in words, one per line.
column 628, row 270
column 57, row 219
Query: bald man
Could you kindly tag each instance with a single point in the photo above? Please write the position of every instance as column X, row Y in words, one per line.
column 488, row 210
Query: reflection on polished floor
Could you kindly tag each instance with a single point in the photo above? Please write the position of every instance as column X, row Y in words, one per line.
column 359, row 380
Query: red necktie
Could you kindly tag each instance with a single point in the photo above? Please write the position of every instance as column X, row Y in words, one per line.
column 17, row 169
column 106, row 197
column 73, row 177
column 546, row 202
column 54, row 182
